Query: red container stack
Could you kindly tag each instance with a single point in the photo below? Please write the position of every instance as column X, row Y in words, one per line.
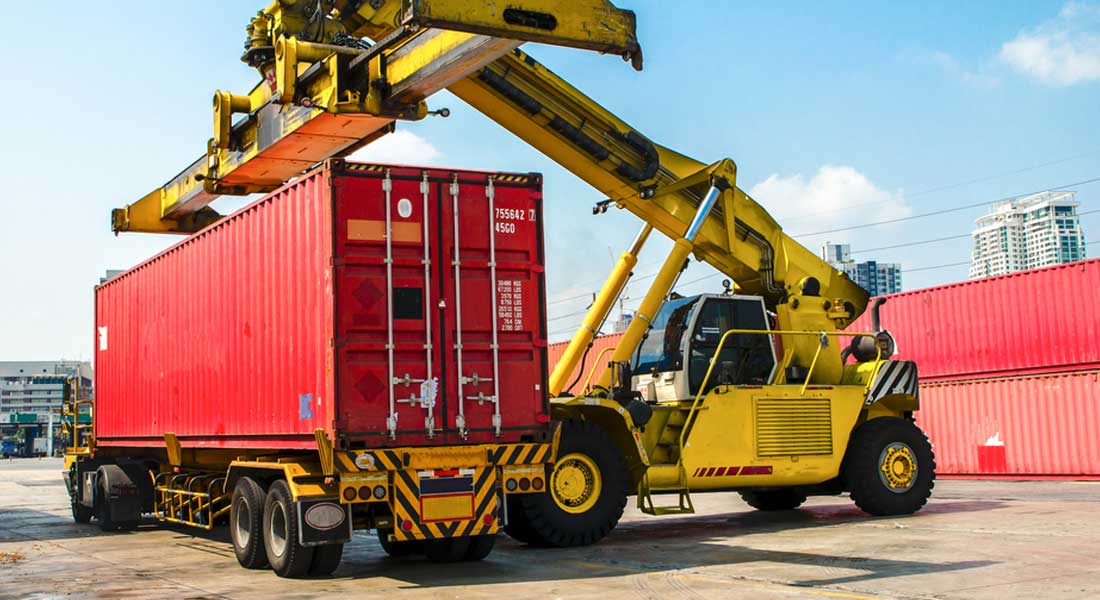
column 1008, row 368
column 1027, row 322
column 274, row 322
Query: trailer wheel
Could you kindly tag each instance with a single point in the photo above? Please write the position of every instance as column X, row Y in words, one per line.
column 397, row 549
column 890, row 468
column 326, row 559
column 447, row 550
column 586, row 491
column 246, row 519
column 773, row 500
column 287, row 557
column 480, row 547
column 102, row 507
column 81, row 513
column 519, row 527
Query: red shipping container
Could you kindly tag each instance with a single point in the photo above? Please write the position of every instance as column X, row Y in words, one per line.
column 1045, row 424
column 275, row 321
column 1026, row 322
column 599, row 345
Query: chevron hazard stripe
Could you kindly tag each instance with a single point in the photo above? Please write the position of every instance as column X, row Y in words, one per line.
column 894, row 377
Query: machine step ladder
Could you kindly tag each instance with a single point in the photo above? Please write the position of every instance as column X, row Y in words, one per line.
column 664, row 473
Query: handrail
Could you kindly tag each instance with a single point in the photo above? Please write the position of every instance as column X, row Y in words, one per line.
column 722, row 342
column 592, row 371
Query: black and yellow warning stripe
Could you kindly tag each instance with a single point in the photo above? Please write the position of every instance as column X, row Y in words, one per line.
column 511, row 178
column 406, row 504
column 351, row 166
column 371, row 460
column 403, row 458
column 521, row 454
column 497, row 178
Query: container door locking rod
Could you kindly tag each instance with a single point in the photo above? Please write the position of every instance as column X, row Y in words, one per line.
column 460, row 419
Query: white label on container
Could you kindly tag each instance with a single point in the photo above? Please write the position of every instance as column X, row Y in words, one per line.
column 510, row 304
column 103, row 337
column 428, row 391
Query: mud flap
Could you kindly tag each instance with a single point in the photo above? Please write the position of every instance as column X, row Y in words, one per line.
column 323, row 521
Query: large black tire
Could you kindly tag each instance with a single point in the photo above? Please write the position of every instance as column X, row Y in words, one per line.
column 447, row 550
column 542, row 516
column 287, row 557
column 890, row 468
column 246, row 523
column 518, row 527
column 773, row 500
column 480, row 547
column 398, row 549
column 81, row 513
column 103, row 509
column 326, row 559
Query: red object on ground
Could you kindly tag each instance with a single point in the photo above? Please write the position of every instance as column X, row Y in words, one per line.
column 1027, row 322
column 273, row 322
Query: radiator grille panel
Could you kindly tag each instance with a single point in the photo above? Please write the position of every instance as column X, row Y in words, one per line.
column 796, row 426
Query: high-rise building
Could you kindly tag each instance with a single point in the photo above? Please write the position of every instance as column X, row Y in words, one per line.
column 876, row 277
column 1030, row 232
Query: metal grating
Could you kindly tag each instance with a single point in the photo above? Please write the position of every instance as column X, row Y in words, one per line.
column 786, row 427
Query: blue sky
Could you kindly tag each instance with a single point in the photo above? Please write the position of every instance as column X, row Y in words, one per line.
column 896, row 109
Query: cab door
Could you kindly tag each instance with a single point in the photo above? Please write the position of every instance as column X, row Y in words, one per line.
column 745, row 359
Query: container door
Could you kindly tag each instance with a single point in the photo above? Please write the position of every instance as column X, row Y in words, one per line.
column 387, row 290
column 494, row 316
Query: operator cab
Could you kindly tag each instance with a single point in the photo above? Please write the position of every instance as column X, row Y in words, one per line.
column 673, row 359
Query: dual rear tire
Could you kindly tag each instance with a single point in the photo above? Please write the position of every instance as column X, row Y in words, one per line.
column 264, row 529
column 449, row 550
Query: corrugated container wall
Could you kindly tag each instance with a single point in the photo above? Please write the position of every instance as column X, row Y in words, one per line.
column 1027, row 322
column 599, row 345
column 1028, row 425
column 376, row 303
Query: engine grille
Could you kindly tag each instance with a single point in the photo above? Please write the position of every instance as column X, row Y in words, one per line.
column 786, row 427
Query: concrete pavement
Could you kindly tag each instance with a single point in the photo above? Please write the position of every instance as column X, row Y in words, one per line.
column 975, row 539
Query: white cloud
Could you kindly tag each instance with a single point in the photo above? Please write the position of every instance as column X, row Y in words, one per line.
column 836, row 196
column 974, row 78
column 1063, row 51
column 400, row 147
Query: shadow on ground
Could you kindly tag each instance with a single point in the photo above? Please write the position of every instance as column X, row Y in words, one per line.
column 664, row 545
column 645, row 546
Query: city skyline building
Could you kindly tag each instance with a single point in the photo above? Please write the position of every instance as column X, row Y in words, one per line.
column 1027, row 233
column 876, row 277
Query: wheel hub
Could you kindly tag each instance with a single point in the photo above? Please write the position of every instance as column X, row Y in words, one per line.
column 898, row 467
column 244, row 523
column 575, row 483
column 278, row 530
